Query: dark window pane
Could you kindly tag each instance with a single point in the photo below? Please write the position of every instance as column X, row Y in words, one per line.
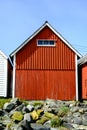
column 46, row 42
column 40, row 42
column 51, row 42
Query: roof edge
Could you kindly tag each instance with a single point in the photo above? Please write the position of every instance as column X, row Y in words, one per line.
column 2, row 53
column 82, row 60
column 37, row 31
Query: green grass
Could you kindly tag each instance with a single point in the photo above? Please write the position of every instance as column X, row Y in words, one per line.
column 3, row 101
column 63, row 111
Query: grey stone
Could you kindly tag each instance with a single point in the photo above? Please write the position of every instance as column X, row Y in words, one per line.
column 73, row 104
column 19, row 128
column 74, row 109
column 27, row 117
column 25, row 110
column 77, row 120
column 8, row 106
column 20, row 107
column 39, row 127
column 16, row 101
column 6, row 119
column 81, row 110
column 84, row 117
column 25, row 125
column 2, row 127
column 76, row 114
column 2, row 112
column 68, row 119
column 30, row 107
column 38, row 107
column 68, row 125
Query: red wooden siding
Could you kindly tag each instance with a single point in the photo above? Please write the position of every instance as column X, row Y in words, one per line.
column 43, row 72
column 84, row 81
column 32, row 56
column 37, row 84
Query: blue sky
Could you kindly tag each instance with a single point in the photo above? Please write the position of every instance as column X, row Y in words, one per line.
column 20, row 18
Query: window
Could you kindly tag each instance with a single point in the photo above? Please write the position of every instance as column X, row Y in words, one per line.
column 46, row 43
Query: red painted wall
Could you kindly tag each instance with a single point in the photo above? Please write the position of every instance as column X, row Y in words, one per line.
column 84, row 81
column 45, row 72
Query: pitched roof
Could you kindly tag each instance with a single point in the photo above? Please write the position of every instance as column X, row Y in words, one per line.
column 83, row 60
column 37, row 31
column 3, row 54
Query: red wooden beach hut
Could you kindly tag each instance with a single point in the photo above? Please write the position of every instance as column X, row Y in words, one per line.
column 45, row 66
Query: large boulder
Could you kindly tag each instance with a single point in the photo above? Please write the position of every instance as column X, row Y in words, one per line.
column 8, row 106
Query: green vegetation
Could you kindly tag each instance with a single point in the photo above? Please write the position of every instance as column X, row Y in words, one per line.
column 63, row 111
column 37, row 103
column 55, row 122
column 3, row 101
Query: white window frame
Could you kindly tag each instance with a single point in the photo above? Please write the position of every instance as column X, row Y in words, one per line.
column 46, row 40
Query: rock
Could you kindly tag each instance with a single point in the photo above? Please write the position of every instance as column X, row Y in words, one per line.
column 38, row 107
column 84, row 117
column 46, row 108
column 39, row 127
column 49, row 115
column 39, row 112
column 8, row 106
column 2, row 112
column 17, row 116
column 27, row 117
column 25, row 125
column 20, row 107
column 19, row 128
column 67, row 119
column 2, row 127
column 6, row 120
column 77, row 120
column 74, row 109
column 81, row 110
column 76, row 114
column 68, row 125
column 73, row 104
column 16, row 101
column 34, row 115
column 25, row 110
column 42, row 120
column 30, row 108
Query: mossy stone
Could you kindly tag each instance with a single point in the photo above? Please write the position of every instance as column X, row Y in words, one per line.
column 49, row 115
column 34, row 115
column 42, row 120
column 17, row 116
column 39, row 112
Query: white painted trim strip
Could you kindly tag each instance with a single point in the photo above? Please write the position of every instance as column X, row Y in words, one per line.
column 14, row 69
column 76, row 75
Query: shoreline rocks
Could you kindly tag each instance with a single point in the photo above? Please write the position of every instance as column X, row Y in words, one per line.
column 43, row 115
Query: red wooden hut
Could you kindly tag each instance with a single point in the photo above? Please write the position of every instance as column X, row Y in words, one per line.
column 45, row 66
column 82, row 65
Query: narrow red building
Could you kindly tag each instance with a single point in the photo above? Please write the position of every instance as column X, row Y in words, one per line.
column 45, row 66
column 82, row 65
